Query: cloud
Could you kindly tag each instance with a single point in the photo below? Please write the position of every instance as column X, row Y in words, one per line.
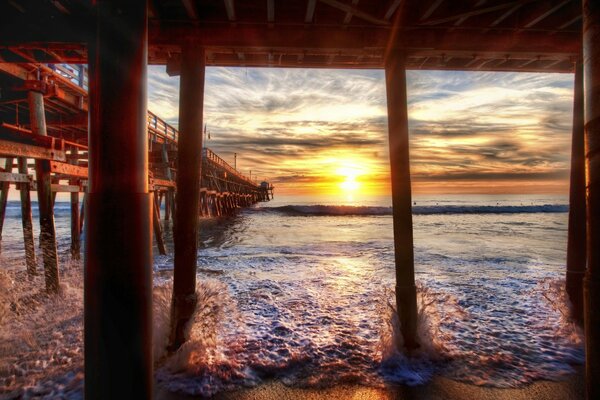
column 295, row 125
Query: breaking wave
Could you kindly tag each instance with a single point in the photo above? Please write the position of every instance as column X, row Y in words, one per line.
column 327, row 210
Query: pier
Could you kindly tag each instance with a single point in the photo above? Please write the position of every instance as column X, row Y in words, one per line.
column 131, row 160
column 63, row 152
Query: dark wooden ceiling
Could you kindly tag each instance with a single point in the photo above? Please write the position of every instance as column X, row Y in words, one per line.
column 487, row 35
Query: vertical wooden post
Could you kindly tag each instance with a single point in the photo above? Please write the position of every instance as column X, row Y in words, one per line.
column 158, row 233
column 27, row 220
column 189, row 159
column 406, row 294
column 576, row 253
column 4, row 187
column 37, row 118
column 118, row 247
column 168, row 205
column 82, row 213
column 591, row 284
column 75, row 237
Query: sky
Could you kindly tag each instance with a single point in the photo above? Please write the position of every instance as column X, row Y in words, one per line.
column 324, row 131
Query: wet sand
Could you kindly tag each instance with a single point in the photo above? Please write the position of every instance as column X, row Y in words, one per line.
column 572, row 388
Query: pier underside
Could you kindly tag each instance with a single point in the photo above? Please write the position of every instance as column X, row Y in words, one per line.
column 126, row 160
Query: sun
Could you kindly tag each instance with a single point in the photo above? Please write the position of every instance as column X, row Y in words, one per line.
column 350, row 174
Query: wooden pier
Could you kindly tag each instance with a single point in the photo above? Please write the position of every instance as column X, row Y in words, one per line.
column 128, row 165
column 53, row 98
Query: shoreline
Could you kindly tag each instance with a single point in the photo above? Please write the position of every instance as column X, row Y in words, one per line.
column 439, row 388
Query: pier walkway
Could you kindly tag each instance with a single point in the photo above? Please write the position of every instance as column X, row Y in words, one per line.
column 63, row 150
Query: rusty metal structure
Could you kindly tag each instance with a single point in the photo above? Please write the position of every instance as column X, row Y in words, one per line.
column 117, row 40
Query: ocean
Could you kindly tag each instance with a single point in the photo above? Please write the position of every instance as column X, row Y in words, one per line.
column 300, row 289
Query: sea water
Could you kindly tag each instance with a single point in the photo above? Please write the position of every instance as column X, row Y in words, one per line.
column 301, row 289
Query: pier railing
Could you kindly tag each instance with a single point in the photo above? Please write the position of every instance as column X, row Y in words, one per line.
column 210, row 155
column 160, row 131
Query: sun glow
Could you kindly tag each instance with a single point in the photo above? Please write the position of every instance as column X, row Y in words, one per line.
column 350, row 174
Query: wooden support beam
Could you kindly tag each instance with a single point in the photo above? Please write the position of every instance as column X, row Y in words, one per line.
column 288, row 39
column 348, row 16
column 472, row 13
column 163, row 183
column 158, row 232
column 545, row 13
column 82, row 213
column 271, row 11
column 44, row 193
column 57, row 188
column 189, row 161
column 506, row 14
column 230, row 8
column 10, row 148
column 406, row 293
column 68, row 169
column 591, row 283
column 356, row 12
column 310, row 11
column 431, row 9
column 576, row 244
column 168, row 206
column 4, row 189
column 392, row 9
column 570, row 22
column 190, row 8
column 75, row 236
column 118, row 208
column 27, row 220
column 8, row 177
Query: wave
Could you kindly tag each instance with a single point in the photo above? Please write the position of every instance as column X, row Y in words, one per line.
column 328, row 210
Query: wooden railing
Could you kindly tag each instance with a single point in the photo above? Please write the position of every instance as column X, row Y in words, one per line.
column 77, row 74
column 208, row 154
column 160, row 129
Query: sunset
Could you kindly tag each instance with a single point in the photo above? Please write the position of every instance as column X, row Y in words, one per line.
column 300, row 199
column 470, row 132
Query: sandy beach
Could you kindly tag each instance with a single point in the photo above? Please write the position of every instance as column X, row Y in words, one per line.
column 439, row 388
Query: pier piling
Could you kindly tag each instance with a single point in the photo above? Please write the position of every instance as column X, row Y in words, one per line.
column 591, row 284
column 158, row 233
column 406, row 294
column 189, row 159
column 576, row 245
column 75, row 237
column 27, row 220
column 118, row 247
column 4, row 189
column 37, row 119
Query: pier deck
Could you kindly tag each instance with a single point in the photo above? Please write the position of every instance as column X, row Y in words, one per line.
column 64, row 88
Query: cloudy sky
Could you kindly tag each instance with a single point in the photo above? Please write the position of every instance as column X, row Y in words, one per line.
column 325, row 131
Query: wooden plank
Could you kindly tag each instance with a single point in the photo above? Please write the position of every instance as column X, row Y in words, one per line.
column 10, row 148
column 68, row 169
column 13, row 178
column 162, row 183
column 65, row 188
